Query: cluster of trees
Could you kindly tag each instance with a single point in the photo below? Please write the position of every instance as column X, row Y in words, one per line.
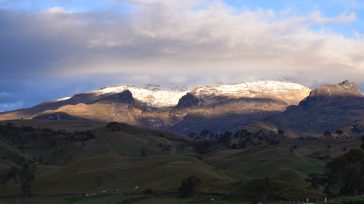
column 337, row 133
column 356, row 130
column 343, row 175
column 115, row 126
column 240, row 139
column 165, row 148
column 41, row 137
column 23, row 174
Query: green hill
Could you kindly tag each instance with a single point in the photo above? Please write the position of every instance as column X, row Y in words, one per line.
column 88, row 163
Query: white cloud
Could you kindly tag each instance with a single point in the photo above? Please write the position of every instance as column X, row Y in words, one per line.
column 203, row 40
column 140, row 79
column 341, row 19
column 177, row 79
column 56, row 10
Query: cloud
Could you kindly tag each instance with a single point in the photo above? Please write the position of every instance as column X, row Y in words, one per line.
column 193, row 41
column 56, row 10
column 177, row 79
column 11, row 106
column 341, row 19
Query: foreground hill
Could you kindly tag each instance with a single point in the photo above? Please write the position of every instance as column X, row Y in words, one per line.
column 217, row 108
column 116, row 162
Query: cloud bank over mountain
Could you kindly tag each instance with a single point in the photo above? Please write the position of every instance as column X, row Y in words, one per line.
column 176, row 42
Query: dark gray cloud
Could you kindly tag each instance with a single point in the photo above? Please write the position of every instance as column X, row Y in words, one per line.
column 56, row 52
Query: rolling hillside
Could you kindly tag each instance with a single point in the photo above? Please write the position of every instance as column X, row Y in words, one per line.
column 120, row 161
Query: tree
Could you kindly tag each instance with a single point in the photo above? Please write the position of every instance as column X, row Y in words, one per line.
column 202, row 147
column 280, row 132
column 7, row 175
column 143, row 153
column 356, row 129
column 262, row 190
column 189, row 186
column 27, row 176
column 204, row 133
column 339, row 132
column 225, row 138
column 327, row 134
column 317, row 181
column 191, row 135
column 115, row 126
column 345, row 174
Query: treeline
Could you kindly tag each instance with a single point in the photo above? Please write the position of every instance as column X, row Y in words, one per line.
column 206, row 141
column 28, row 136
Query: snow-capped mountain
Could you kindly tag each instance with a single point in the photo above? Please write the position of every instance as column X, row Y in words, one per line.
column 151, row 96
column 281, row 105
column 215, row 107
column 291, row 93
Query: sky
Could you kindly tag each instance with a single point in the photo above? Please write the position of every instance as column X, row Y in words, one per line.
column 55, row 48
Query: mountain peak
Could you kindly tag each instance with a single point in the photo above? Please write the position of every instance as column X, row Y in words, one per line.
column 345, row 88
column 350, row 86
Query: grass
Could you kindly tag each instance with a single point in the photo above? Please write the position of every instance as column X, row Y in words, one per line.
column 270, row 161
column 112, row 162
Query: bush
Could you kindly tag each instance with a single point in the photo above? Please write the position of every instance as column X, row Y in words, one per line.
column 189, row 186
column 148, row 191
column 143, row 153
column 115, row 126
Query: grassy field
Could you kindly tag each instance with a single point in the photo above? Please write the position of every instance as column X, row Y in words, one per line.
column 118, row 166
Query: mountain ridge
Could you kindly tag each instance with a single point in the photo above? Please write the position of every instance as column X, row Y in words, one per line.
column 229, row 106
column 157, row 97
column 329, row 108
column 217, row 108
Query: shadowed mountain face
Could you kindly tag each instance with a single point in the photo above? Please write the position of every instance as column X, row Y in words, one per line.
column 225, row 115
column 328, row 108
column 216, row 108
column 187, row 101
